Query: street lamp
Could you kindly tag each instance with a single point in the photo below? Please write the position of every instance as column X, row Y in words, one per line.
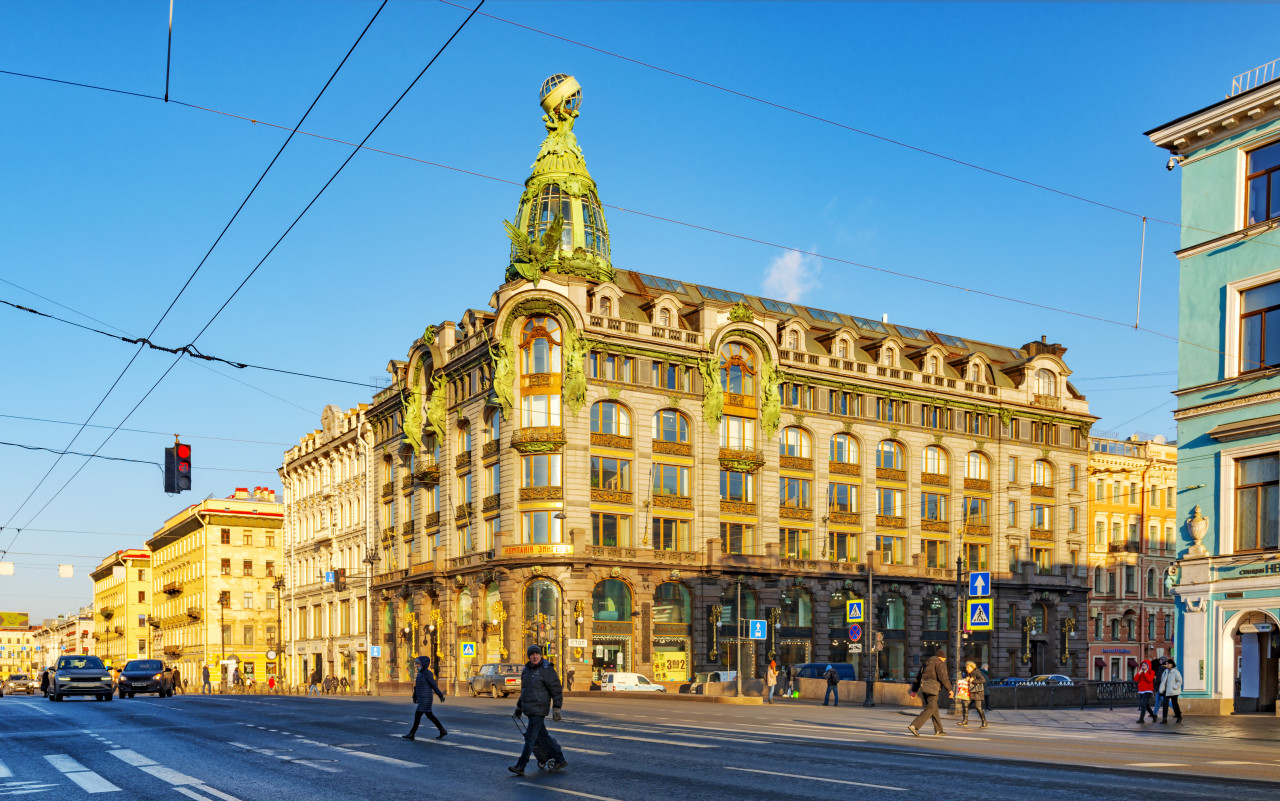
column 278, row 586
column 224, row 598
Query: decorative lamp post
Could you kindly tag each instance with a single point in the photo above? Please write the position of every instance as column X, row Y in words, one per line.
column 278, row 586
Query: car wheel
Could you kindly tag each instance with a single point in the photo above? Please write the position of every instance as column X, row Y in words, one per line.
column 493, row 690
column 109, row 697
column 472, row 689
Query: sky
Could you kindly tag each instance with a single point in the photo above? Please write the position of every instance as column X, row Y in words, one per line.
column 109, row 201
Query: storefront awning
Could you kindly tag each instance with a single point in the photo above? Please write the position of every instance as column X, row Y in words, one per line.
column 1099, row 661
column 1133, row 663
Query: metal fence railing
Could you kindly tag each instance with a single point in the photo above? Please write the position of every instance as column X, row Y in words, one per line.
column 1048, row 695
column 1255, row 77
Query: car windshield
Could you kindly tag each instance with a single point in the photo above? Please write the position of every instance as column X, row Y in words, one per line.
column 148, row 665
column 509, row 668
column 80, row 662
column 18, row 677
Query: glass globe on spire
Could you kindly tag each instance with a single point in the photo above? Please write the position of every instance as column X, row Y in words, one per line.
column 560, row 225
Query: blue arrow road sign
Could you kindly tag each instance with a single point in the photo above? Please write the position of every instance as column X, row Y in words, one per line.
column 979, row 585
column 855, row 632
column 757, row 629
column 328, row 577
column 375, row 650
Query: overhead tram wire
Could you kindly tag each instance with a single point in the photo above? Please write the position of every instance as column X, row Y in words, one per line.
column 190, row 278
column 126, row 459
column 292, row 225
column 146, row 431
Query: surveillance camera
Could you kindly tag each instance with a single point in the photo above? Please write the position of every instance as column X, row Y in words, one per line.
column 1173, row 161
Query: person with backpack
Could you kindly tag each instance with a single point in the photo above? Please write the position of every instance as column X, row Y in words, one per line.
column 424, row 687
column 833, row 686
column 1145, row 678
column 1170, row 689
column 540, row 694
column 930, row 682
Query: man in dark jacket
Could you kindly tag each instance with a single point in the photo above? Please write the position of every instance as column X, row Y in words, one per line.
column 833, row 686
column 540, row 694
column 930, row 682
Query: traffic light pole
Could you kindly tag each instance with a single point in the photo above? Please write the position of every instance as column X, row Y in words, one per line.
column 869, row 641
column 956, row 655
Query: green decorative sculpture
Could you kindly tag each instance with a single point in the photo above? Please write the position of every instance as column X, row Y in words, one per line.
column 412, row 408
column 429, row 335
column 531, row 257
column 436, row 407
column 770, row 398
column 712, row 392
column 504, row 376
column 576, row 347
column 741, row 313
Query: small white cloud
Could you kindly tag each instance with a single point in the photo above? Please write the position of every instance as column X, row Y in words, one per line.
column 791, row 275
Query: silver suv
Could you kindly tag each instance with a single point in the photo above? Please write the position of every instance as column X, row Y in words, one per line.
column 19, row 683
column 81, row 675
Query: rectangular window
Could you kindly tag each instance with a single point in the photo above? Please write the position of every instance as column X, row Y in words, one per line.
column 1155, row 496
column 977, row 424
column 670, row 534
column 270, row 540
column 610, row 530
column 388, row 515
column 795, row 543
column 1257, row 503
column 737, row 432
column 1013, row 514
column 1101, row 493
column 269, row 569
column 248, row 600
column 142, row 596
column 1262, row 184
column 736, row 486
column 142, row 621
column 1116, row 537
column 1130, row 580
column 1117, row 494
column 248, row 635
column 610, row 474
column 1039, row 432
column 611, row 368
column 893, row 550
column 247, row 568
column 540, row 527
column 1168, row 497
column 1015, row 559
column 1073, row 477
column 737, row 538
column 490, row 528
column 670, row 479
column 464, row 488
column 933, row 507
column 672, row 376
column 1041, row 517
column 492, row 479
column 890, row 502
column 225, row 536
column 975, row 556
column 891, row 411
column 1133, row 494
column 1043, row 558
column 842, row 546
column 1260, row 327
column 842, row 497
column 142, row 575
column 1133, row 533
column 1013, row 470
column 975, row 512
column 226, row 567
column 1072, row 519
column 843, row 403
column 541, row 470
column 271, row 600
column 248, row 540
column 935, row 553
column 539, row 411
column 795, row 493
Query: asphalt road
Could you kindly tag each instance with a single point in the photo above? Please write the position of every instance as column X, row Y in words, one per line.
column 255, row 748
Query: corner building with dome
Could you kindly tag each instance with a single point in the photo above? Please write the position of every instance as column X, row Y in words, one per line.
column 603, row 461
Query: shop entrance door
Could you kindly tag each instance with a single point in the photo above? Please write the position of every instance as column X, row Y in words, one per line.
column 1257, row 651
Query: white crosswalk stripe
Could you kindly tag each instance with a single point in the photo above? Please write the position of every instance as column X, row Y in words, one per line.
column 87, row 780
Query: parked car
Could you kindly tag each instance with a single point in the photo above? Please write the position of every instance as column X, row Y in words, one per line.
column 19, row 683
column 498, row 680
column 80, row 675
column 629, row 682
column 817, row 670
column 1051, row 678
column 715, row 675
column 145, row 676
column 1011, row 681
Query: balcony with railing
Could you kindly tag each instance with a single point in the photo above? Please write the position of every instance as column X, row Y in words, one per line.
column 604, row 495
column 491, row 503
column 1041, row 491
column 611, row 441
column 795, row 463
column 462, row 511
column 644, row 330
column 890, row 474
column 388, row 487
column 427, row 472
column 741, row 460
column 672, row 448
column 173, row 589
column 844, row 468
column 542, row 439
column 794, row 513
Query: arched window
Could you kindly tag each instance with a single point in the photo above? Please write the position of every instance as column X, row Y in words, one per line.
column 491, row 597
column 797, row 608
column 540, row 346
column 793, row 340
column 737, row 369
column 933, row 365
column 1151, row 583
column 1041, row 473
column 606, row 306
column 611, row 600
column 464, row 436
column 975, row 372
column 610, row 417
column 842, row 349
column 670, row 426
column 465, row 605
column 1046, row 383
column 889, row 357
column 935, row 460
column 977, row 466
column 594, row 234
column 729, row 598
column 551, row 202
column 889, row 455
column 844, row 449
column 1039, row 617
column 936, row 615
column 672, row 603
column 664, row 318
column 795, row 442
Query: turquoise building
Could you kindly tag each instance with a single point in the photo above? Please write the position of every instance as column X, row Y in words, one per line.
column 1227, row 579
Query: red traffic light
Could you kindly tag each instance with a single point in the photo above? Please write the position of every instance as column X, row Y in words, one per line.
column 184, row 451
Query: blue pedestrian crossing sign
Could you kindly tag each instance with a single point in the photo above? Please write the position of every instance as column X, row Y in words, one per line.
column 328, row 577
column 468, row 649
column 853, row 611
column 979, row 615
column 980, row 585
column 757, row 630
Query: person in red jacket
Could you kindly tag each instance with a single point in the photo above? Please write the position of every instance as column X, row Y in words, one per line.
column 1146, row 679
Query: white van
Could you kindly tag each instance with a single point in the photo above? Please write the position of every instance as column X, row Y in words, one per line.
column 629, row 682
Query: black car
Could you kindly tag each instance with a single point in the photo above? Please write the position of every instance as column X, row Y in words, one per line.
column 817, row 670
column 145, row 676
column 80, row 675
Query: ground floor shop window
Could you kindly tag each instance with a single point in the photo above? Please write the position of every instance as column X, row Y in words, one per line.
column 893, row 660
column 671, row 659
column 796, row 652
column 610, row 654
column 748, row 648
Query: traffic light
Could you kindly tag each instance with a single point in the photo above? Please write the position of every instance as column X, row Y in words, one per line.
column 340, row 579
column 177, row 468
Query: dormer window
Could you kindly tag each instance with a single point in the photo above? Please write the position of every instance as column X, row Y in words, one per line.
column 933, row 365
column 888, row 357
column 793, row 340
column 664, row 318
column 606, row 307
column 1046, row 383
column 842, row 349
column 975, row 373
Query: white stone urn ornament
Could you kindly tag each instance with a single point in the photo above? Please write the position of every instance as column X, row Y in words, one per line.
column 1198, row 526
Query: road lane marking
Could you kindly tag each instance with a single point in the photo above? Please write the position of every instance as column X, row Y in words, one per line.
column 817, row 778
column 1157, row 764
column 4, row 771
column 401, row 763
column 88, row 781
column 24, row 788
column 213, row 792
column 572, row 792
column 456, row 733
column 130, row 757
column 637, row 739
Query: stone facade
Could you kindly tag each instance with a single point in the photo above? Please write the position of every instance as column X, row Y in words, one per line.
column 122, row 607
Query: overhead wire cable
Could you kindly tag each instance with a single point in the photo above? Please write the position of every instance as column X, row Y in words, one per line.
column 25, row 446
column 146, row 431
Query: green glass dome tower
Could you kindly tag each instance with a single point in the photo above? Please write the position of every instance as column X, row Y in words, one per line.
column 559, row 227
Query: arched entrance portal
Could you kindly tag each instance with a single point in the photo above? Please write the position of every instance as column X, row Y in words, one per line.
column 1252, row 652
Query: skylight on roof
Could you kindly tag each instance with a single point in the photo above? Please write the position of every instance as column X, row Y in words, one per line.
column 777, row 306
column 819, row 314
column 654, row 282
column 869, row 325
column 911, row 333
column 721, row 294
column 1015, row 354
column 954, row 342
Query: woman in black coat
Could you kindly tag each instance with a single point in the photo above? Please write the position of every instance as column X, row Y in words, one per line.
column 424, row 686
column 977, row 694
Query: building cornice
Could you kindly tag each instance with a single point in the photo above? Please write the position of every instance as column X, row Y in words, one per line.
column 1203, row 128
column 1256, row 399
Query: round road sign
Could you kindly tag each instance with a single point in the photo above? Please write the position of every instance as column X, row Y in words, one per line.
column 855, row 632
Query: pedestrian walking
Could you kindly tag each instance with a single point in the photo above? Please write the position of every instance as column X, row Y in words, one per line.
column 346, row 685
column 177, row 681
column 1170, row 689
column 771, row 680
column 1157, row 675
column 1146, row 679
column 976, row 684
column 986, row 677
column 784, row 682
column 540, row 694
column 271, row 685
column 313, row 686
column 833, row 686
column 235, row 677
column 930, row 682
column 424, row 687
column 205, row 686
column 568, row 679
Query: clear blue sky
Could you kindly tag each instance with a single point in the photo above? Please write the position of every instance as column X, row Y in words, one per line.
column 109, row 201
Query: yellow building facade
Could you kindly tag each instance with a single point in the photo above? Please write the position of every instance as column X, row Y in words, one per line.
column 1133, row 488
column 18, row 651
column 214, row 578
column 122, row 597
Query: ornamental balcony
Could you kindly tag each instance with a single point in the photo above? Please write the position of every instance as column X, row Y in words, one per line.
column 490, row 450
column 431, row 520
column 193, row 612
column 172, row 588
column 889, row 474
column 845, row 469
column 541, row 439
column 737, row 508
column 672, row 502
column 794, row 513
column 1041, row 534
column 795, row 463
column 672, row 448
column 978, row 484
column 406, row 483
column 740, row 460
column 890, row 521
column 462, row 511
column 935, row 525
column 845, row 518
column 541, row 493
column 408, row 528
column 462, row 461
column 1046, row 401
column 1041, row 491
column 388, row 488
column 611, row 441
column 935, row 479
column 977, row 529
column 491, row 503
column 1125, row 547
column 428, row 473
column 107, row 612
